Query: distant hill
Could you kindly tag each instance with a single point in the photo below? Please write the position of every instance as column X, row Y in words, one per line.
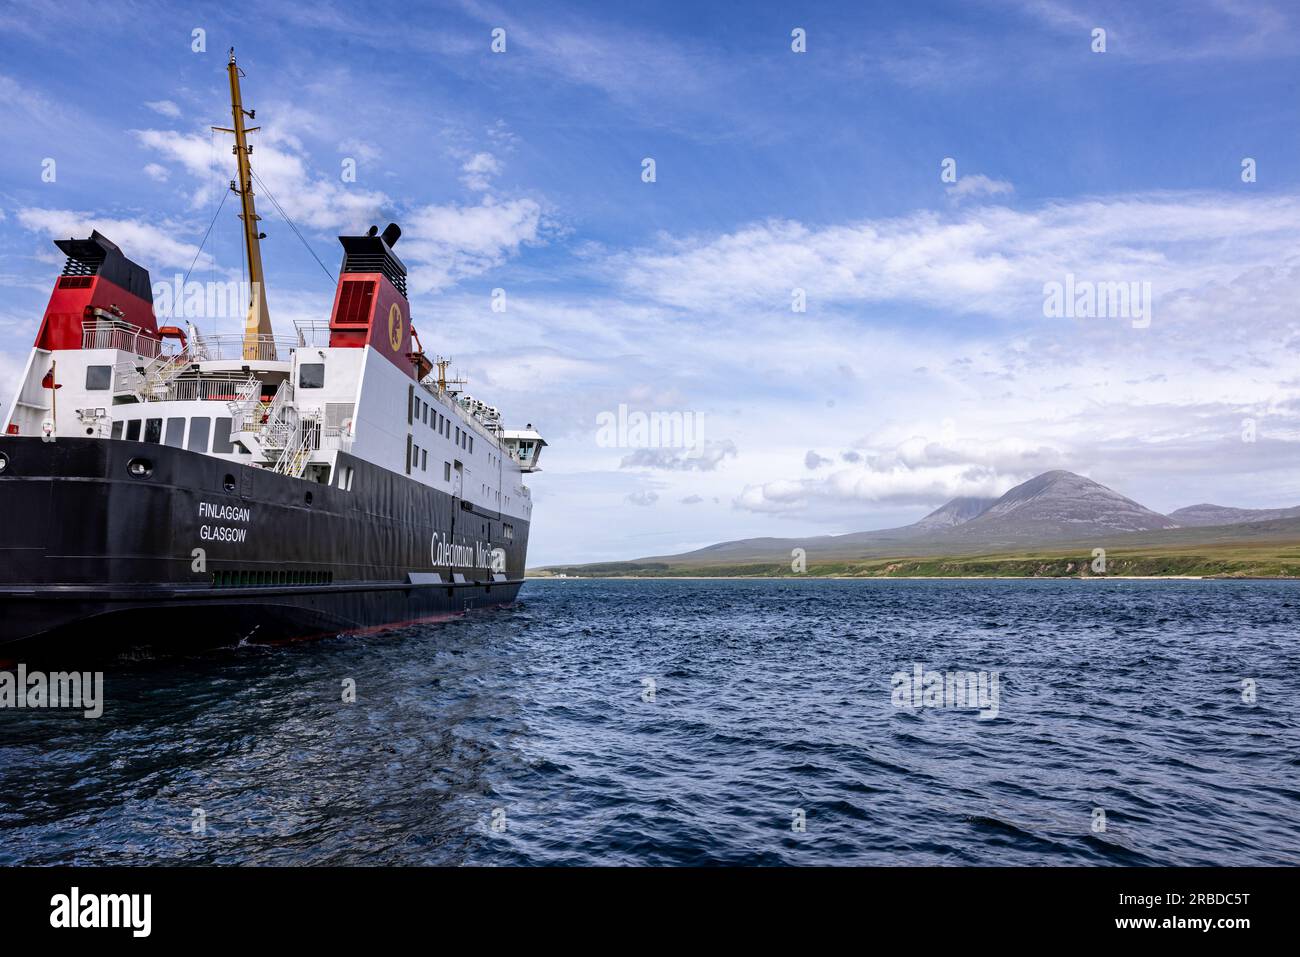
column 1057, row 506
column 957, row 512
column 1053, row 509
column 1204, row 514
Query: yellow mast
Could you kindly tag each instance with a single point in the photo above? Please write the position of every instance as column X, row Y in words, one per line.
column 443, row 381
column 258, row 343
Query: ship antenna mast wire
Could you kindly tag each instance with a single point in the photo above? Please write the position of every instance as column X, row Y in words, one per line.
column 285, row 216
column 206, row 234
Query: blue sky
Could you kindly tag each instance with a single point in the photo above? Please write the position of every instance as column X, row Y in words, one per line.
column 924, row 366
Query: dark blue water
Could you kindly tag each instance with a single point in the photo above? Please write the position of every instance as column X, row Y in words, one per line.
column 769, row 697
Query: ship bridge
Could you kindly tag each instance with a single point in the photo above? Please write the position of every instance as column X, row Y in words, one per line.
column 524, row 446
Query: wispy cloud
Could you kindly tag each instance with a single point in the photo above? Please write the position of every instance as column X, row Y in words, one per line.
column 477, row 171
column 152, row 242
column 977, row 184
column 165, row 108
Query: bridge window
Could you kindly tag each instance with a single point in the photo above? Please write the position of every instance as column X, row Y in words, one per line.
column 311, row 375
column 153, row 430
column 199, row 429
column 175, row 433
column 221, row 443
column 133, row 430
column 98, row 378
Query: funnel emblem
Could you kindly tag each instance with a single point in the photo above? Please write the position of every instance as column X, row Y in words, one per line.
column 395, row 327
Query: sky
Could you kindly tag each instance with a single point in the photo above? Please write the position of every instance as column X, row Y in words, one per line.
column 839, row 273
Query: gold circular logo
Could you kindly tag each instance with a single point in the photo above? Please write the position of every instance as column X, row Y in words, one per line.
column 395, row 326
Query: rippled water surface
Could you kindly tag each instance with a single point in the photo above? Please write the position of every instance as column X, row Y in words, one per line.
column 768, row 697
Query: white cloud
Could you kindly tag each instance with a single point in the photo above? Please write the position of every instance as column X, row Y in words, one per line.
column 988, row 259
column 447, row 243
column 705, row 457
column 156, row 172
column 916, row 471
column 478, row 170
column 165, row 107
column 977, row 184
column 441, row 244
column 312, row 200
column 360, row 150
column 151, row 244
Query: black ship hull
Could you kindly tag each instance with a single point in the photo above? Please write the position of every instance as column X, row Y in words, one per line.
column 188, row 549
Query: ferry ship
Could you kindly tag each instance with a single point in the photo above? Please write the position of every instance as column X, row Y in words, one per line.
column 160, row 485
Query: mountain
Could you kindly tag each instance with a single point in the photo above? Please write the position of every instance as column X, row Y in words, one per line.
column 1056, row 508
column 1059, row 506
column 957, row 512
column 1206, row 514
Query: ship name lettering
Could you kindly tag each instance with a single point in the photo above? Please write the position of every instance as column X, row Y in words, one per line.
column 225, row 513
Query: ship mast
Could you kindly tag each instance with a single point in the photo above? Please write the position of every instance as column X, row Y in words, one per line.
column 443, row 381
column 258, row 342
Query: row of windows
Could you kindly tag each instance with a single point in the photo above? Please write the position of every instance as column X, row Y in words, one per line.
column 419, row 459
column 174, row 433
column 422, row 411
column 236, row 578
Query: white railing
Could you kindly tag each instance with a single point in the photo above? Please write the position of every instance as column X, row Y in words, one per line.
column 336, row 439
column 101, row 333
column 209, row 348
column 298, row 447
column 313, row 333
column 245, row 405
column 281, row 418
column 209, row 388
column 119, row 334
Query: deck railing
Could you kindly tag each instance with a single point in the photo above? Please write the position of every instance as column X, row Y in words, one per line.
column 100, row 333
column 209, row 388
column 119, row 334
column 209, row 348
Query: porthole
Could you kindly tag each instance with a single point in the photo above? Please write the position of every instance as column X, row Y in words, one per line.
column 139, row 468
column 228, row 483
column 307, row 499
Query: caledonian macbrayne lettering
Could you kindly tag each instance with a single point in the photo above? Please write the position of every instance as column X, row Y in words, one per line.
column 224, row 513
column 478, row 555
